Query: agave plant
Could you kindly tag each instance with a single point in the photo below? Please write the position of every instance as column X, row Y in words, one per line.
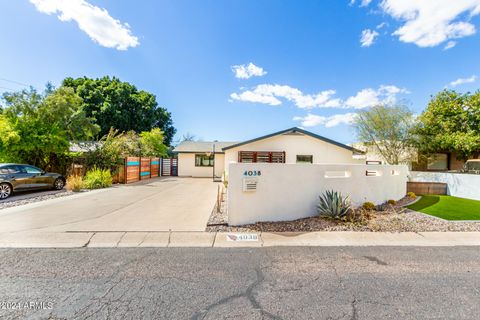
column 333, row 205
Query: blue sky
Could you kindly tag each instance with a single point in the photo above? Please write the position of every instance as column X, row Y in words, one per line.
column 310, row 65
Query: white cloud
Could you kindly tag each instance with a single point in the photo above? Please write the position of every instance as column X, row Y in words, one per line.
column 385, row 94
column 460, row 81
column 312, row 120
column 430, row 23
column 381, row 25
column 270, row 94
column 94, row 21
column 450, row 44
column 368, row 37
column 363, row 3
column 245, row 71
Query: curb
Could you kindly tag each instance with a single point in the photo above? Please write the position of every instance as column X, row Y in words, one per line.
column 169, row 239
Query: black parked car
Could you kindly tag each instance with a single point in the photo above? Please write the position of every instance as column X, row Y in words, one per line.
column 22, row 177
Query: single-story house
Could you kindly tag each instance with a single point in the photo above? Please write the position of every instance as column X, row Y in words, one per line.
column 294, row 145
column 416, row 161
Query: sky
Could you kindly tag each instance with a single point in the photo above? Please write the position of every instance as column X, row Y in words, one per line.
column 238, row 69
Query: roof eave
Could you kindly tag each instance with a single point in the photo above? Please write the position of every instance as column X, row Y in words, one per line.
column 296, row 129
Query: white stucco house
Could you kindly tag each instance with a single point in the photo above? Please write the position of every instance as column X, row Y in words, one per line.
column 293, row 145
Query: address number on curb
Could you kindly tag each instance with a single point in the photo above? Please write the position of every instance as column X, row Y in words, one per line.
column 252, row 173
column 242, row 237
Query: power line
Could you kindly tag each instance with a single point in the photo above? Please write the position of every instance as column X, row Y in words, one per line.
column 15, row 82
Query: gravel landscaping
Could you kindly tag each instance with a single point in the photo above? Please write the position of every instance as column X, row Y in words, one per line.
column 387, row 218
column 31, row 197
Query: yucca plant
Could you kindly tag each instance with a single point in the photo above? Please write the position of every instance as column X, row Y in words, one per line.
column 333, row 205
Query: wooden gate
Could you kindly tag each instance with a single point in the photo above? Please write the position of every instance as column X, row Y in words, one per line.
column 169, row 167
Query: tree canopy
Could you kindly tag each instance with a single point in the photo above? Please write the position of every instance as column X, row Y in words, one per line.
column 450, row 123
column 38, row 128
column 388, row 129
column 120, row 105
column 115, row 145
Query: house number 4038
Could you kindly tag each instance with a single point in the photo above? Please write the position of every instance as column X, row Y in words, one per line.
column 252, row 173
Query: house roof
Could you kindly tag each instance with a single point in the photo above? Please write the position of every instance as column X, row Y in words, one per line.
column 201, row 146
column 295, row 130
column 84, row 146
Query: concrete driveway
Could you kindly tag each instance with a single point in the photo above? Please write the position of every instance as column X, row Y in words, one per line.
column 162, row 204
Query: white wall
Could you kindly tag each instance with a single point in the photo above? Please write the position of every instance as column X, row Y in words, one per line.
column 187, row 168
column 459, row 184
column 293, row 145
column 291, row 191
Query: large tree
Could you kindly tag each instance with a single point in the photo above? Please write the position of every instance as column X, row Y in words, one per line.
column 388, row 130
column 120, row 105
column 38, row 128
column 451, row 123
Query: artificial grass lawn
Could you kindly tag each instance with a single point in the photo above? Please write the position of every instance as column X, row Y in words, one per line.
column 448, row 207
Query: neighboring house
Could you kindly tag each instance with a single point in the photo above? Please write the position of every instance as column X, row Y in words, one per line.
column 294, row 145
column 373, row 156
column 440, row 161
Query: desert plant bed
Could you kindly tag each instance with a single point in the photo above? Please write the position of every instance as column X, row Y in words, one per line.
column 387, row 218
column 448, row 207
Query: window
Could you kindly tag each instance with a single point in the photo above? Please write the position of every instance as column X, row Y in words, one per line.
column 30, row 169
column 203, row 160
column 10, row 169
column 304, row 158
column 437, row 161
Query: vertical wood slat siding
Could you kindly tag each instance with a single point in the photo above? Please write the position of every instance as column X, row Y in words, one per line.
column 261, row 156
column 132, row 169
column 427, row 187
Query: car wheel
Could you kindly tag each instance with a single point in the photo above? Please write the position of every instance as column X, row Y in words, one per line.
column 58, row 184
column 5, row 190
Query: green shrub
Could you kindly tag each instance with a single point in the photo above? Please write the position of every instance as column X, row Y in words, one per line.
column 75, row 183
column 392, row 202
column 333, row 205
column 368, row 206
column 411, row 195
column 97, row 178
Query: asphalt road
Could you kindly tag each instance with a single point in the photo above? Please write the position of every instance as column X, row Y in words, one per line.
column 263, row 283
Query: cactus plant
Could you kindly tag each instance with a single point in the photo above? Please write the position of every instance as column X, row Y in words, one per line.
column 368, row 206
column 411, row 195
column 333, row 205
